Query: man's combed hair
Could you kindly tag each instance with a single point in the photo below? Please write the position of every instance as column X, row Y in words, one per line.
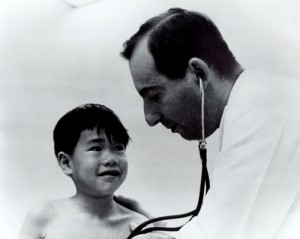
column 87, row 117
column 178, row 35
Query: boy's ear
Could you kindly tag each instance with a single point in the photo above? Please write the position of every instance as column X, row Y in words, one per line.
column 64, row 161
column 200, row 69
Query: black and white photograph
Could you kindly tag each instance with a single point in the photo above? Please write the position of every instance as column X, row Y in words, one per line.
column 162, row 119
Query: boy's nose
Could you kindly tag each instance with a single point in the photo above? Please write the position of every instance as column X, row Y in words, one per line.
column 110, row 160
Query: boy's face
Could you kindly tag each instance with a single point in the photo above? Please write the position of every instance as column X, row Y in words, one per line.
column 98, row 166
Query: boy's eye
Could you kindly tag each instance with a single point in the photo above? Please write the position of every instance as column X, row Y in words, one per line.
column 119, row 147
column 96, row 148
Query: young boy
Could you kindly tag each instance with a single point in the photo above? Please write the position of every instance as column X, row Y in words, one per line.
column 90, row 145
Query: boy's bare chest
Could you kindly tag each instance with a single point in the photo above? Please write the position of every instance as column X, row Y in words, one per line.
column 77, row 228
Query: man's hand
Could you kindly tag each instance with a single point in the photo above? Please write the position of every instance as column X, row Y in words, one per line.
column 152, row 235
column 132, row 205
column 136, row 207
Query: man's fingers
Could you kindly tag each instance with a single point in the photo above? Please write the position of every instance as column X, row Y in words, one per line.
column 132, row 205
column 127, row 202
column 154, row 236
column 160, row 224
column 132, row 226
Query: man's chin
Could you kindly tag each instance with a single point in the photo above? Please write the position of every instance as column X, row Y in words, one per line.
column 188, row 137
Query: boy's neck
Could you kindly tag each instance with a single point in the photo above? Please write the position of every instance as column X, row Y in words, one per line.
column 101, row 207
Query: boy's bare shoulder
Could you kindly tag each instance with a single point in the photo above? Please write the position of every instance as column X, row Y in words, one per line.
column 37, row 219
column 42, row 212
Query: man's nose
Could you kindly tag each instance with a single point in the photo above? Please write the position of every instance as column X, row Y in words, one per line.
column 152, row 116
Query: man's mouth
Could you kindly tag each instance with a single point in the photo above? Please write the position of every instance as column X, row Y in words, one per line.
column 173, row 128
column 170, row 126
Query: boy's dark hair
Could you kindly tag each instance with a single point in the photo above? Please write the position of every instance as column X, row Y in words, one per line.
column 178, row 35
column 87, row 117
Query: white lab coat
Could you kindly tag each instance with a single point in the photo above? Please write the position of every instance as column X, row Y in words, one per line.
column 255, row 178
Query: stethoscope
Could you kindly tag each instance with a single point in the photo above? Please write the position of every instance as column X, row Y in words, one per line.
column 204, row 186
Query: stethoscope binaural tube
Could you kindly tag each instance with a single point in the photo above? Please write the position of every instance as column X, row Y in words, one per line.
column 205, row 184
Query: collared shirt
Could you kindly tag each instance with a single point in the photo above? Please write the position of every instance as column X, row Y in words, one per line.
column 255, row 178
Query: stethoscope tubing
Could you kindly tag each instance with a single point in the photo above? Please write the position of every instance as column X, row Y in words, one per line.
column 203, row 184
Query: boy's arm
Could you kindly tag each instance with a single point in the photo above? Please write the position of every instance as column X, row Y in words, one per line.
column 35, row 222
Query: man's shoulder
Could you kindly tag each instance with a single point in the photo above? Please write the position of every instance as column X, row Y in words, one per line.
column 254, row 84
column 261, row 93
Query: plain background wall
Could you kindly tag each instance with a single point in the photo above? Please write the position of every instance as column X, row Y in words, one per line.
column 53, row 58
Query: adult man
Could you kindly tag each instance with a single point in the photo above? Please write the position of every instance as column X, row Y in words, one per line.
column 255, row 178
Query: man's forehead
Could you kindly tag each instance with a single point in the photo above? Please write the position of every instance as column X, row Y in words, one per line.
column 142, row 66
column 141, row 56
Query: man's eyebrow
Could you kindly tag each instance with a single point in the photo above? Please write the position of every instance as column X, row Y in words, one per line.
column 146, row 89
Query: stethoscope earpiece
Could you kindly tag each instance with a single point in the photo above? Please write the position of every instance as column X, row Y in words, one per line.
column 202, row 138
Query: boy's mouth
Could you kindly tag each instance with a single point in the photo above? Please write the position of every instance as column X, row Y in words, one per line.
column 111, row 172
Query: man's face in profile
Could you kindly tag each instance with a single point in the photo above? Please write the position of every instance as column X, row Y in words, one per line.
column 174, row 103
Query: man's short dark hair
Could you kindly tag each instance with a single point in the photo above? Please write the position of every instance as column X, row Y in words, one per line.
column 87, row 117
column 178, row 35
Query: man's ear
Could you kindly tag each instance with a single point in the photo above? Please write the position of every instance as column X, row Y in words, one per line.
column 200, row 69
column 64, row 161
